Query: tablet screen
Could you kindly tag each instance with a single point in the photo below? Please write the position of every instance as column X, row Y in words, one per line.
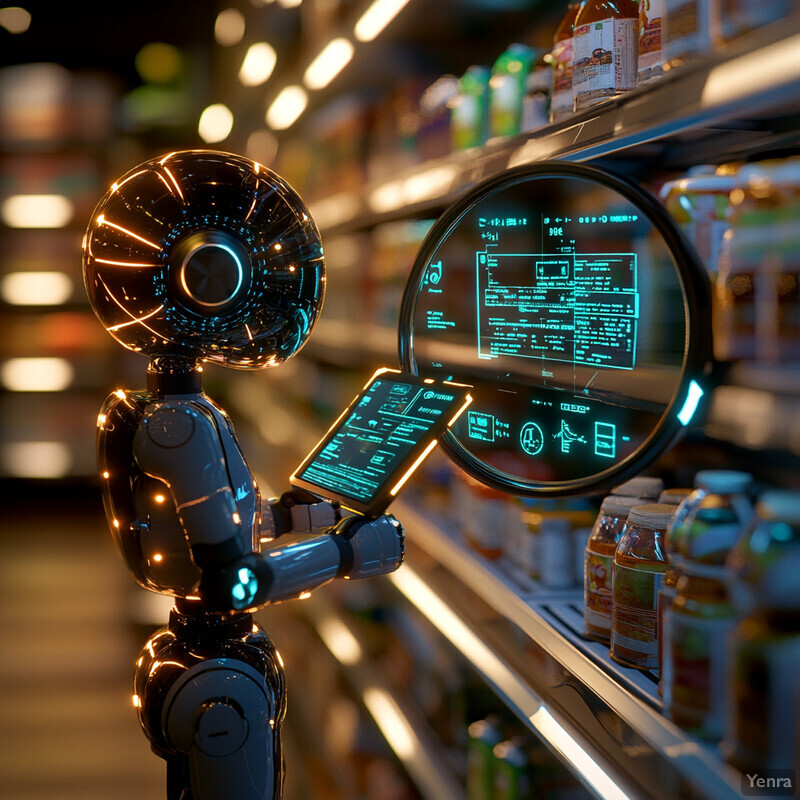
column 380, row 439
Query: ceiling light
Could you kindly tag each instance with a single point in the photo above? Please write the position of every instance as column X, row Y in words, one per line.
column 289, row 3
column 37, row 211
column 36, row 459
column 287, row 107
column 36, row 374
column 215, row 123
column 335, row 56
column 376, row 18
column 36, row 288
column 14, row 19
column 258, row 64
column 229, row 27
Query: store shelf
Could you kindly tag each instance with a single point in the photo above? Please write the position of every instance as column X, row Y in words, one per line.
column 552, row 621
column 738, row 102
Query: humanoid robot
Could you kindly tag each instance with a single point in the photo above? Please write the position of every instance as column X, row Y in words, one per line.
column 205, row 256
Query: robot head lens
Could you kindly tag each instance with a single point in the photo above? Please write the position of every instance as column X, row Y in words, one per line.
column 211, row 275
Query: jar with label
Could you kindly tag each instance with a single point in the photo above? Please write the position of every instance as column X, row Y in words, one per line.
column 562, row 99
column 730, row 484
column 651, row 54
column 760, row 730
column 639, row 566
column 469, row 109
column 645, row 486
column 701, row 619
column 688, row 31
column 507, row 88
column 700, row 204
column 757, row 299
column 605, row 50
column 740, row 16
column 484, row 524
column 674, row 497
column 598, row 564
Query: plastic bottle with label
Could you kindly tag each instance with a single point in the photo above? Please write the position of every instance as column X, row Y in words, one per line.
column 562, row 98
column 639, row 566
column 737, row 17
column 700, row 203
column 761, row 730
column 702, row 617
column 651, row 52
column 605, row 53
column 757, row 300
column 469, row 109
column 727, row 483
column 536, row 101
column 598, row 564
column 483, row 518
column 507, row 89
column 689, row 30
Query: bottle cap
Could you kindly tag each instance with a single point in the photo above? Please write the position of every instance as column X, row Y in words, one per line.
column 652, row 515
column 724, row 481
column 619, row 505
column 674, row 497
column 640, row 486
column 782, row 505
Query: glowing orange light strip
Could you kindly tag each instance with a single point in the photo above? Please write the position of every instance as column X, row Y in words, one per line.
column 124, row 263
column 146, row 327
column 101, row 220
column 116, row 186
column 422, row 456
column 174, row 182
column 134, row 321
column 460, row 411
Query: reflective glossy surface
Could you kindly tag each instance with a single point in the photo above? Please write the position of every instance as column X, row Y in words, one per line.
column 205, row 255
column 566, row 296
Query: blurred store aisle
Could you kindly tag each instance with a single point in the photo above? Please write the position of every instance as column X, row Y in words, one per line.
column 67, row 729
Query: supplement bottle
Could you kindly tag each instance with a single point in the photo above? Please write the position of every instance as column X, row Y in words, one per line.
column 562, row 98
column 701, row 619
column 651, row 54
column 605, row 51
column 639, row 566
column 726, row 483
column 760, row 730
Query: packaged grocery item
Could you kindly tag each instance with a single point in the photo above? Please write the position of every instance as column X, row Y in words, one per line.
column 761, row 730
column 700, row 203
column 639, row 566
column 724, row 483
column 641, row 486
column 674, row 497
column 688, row 30
column 555, row 552
column 536, row 101
column 469, row 109
column 512, row 770
column 533, row 517
column 482, row 515
column 484, row 735
column 740, row 16
column 757, row 311
column 605, row 50
column 698, row 624
column 507, row 89
column 562, row 99
column 651, row 54
column 598, row 564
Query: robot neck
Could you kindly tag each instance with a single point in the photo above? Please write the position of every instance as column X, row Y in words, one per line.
column 174, row 376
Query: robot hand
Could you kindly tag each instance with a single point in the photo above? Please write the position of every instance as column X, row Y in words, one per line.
column 298, row 511
column 376, row 546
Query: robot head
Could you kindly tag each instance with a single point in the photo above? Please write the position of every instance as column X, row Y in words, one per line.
column 203, row 255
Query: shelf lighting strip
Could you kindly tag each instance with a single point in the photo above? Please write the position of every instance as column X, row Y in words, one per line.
column 543, row 721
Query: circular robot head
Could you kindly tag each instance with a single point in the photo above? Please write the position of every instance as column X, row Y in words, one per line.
column 203, row 255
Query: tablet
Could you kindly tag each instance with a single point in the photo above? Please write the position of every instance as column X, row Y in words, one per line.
column 380, row 439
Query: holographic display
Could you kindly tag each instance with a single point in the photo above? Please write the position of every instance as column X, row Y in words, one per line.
column 380, row 439
column 569, row 301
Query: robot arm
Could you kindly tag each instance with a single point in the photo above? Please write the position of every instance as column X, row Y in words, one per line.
column 178, row 443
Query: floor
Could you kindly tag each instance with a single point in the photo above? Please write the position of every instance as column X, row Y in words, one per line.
column 67, row 727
